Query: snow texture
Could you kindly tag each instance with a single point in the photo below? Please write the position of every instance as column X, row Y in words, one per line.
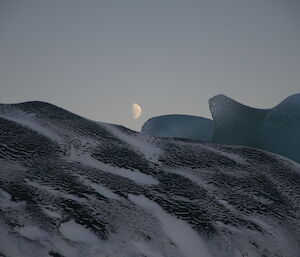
column 105, row 191
column 71, row 187
column 76, row 232
column 180, row 233
column 138, row 141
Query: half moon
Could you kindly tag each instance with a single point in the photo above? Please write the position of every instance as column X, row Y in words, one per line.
column 136, row 111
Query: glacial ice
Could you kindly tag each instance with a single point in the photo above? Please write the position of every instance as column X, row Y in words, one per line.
column 281, row 132
column 180, row 126
column 275, row 130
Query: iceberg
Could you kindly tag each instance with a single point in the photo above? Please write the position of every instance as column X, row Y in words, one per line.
column 235, row 123
column 275, row 130
column 281, row 132
column 179, row 126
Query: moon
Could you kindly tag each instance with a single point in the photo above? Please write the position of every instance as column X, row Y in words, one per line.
column 136, row 111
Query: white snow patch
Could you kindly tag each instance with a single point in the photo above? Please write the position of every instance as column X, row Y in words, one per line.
column 187, row 173
column 105, row 191
column 146, row 250
column 52, row 214
column 34, row 233
column 139, row 142
column 28, row 120
column 227, row 205
column 78, row 233
column 135, row 175
column 6, row 202
column 55, row 192
column 187, row 240
column 235, row 157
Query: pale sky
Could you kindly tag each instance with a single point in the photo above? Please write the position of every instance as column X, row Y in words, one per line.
column 97, row 57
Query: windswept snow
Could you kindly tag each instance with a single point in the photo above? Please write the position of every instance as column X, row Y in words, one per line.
column 10, row 167
column 105, row 191
column 52, row 213
column 146, row 250
column 78, row 233
column 97, row 193
column 136, row 176
column 34, row 233
column 139, row 142
column 6, row 202
column 55, row 192
column 233, row 156
column 28, row 120
column 186, row 239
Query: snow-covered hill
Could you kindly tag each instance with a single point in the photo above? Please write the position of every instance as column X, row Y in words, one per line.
column 73, row 187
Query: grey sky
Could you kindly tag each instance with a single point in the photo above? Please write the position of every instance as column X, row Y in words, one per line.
column 96, row 58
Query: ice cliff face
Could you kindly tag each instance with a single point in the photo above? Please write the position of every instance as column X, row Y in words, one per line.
column 276, row 130
column 235, row 123
column 282, row 129
column 73, row 187
column 179, row 126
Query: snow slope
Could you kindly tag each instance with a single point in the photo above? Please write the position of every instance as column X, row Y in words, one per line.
column 73, row 187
